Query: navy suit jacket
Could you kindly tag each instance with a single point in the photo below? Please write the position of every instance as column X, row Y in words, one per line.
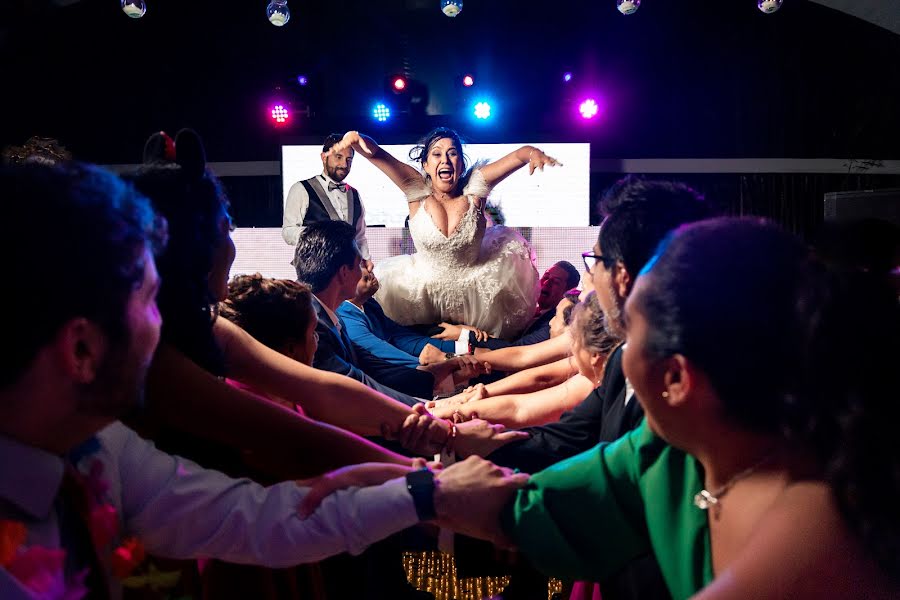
column 539, row 331
column 337, row 354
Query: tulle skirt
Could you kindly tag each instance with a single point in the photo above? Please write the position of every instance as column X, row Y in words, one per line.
column 497, row 292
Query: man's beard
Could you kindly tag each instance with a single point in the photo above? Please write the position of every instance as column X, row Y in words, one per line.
column 333, row 173
column 117, row 390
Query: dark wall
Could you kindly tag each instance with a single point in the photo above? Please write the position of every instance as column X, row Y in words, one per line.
column 679, row 79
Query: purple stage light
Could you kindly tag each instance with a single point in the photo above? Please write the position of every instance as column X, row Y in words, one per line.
column 567, row 76
column 302, row 80
column 588, row 108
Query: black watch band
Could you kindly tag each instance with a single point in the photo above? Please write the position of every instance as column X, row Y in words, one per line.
column 421, row 487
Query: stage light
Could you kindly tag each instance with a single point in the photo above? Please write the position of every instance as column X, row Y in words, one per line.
column 380, row 112
column 628, row 7
column 134, row 8
column 451, row 8
column 398, row 84
column 768, row 6
column 567, row 76
column 588, row 109
column 482, row 110
column 468, row 81
column 279, row 113
column 278, row 12
column 302, row 80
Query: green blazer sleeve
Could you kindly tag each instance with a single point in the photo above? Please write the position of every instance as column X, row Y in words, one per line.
column 588, row 516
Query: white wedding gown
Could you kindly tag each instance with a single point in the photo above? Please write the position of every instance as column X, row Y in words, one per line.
column 479, row 276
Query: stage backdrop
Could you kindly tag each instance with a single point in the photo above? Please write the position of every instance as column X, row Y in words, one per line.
column 263, row 249
column 557, row 197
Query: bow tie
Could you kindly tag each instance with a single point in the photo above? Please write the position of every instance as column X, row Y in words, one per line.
column 337, row 186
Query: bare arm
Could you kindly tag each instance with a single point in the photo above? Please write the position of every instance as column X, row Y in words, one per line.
column 533, row 379
column 499, row 170
column 523, row 382
column 525, row 410
column 400, row 173
column 517, row 358
column 184, row 396
column 323, row 395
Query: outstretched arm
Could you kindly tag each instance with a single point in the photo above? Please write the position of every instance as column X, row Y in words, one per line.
column 184, row 396
column 524, row 410
column 499, row 170
column 400, row 173
column 523, row 382
column 516, row 358
column 362, row 410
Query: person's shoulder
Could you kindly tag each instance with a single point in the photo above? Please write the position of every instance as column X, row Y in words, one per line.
column 825, row 557
column 298, row 186
column 347, row 310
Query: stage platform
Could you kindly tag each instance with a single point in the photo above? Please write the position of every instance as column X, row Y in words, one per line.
column 263, row 250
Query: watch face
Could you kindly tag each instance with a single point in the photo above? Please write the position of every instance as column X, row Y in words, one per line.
column 420, row 477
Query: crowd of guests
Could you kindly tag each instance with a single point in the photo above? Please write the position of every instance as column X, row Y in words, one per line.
column 709, row 414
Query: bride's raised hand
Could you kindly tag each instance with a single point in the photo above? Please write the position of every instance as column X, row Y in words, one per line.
column 538, row 160
column 355, row 140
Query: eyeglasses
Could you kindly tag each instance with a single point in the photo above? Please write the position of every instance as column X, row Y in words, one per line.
column 591, row 259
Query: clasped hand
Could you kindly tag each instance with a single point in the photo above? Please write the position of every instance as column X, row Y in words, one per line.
column 468, row 497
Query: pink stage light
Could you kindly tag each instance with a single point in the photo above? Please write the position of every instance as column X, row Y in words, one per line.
column 468, row 81
column 399, row 84
column 280, row 114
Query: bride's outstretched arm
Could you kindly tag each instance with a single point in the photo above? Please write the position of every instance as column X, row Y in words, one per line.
column 499, row 170
column 400, row 173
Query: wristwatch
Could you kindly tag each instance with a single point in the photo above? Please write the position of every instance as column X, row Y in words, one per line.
column 421, row 487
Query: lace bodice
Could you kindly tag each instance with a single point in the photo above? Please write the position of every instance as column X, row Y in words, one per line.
column 460, row 248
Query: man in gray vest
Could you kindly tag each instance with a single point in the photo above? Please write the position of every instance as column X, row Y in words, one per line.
column 326, row 197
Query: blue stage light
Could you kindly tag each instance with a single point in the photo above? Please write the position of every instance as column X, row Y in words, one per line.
column 381, row 112
column 482, row 110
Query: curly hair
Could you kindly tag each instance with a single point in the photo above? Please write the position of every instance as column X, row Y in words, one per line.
column 588, row 327
column 573, row 296
column 274, row 311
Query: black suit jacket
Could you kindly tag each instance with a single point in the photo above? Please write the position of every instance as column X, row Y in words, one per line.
column 539, row 331
column 601, row 417
column 337, row 354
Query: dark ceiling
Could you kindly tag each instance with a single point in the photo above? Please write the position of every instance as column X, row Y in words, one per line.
column 703, row 78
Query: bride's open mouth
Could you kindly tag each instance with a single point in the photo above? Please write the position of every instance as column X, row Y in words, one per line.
column 445, row 174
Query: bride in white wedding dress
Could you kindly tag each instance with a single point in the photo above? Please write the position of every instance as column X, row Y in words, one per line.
column 463, row 271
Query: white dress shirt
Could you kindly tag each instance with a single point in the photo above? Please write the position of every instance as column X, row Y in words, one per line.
column 298, row 203
column 180, row 510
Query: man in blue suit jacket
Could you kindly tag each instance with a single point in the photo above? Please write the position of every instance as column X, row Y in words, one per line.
column 374, row 334
column 327, row 259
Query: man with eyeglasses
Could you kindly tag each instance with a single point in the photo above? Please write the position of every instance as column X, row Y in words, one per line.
column 638, row 214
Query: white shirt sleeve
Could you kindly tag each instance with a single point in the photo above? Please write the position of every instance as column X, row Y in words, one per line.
column 294, row 212
column 361, row 242
column 181, row 510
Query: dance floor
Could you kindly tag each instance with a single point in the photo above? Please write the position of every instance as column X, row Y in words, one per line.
column 263, row 250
